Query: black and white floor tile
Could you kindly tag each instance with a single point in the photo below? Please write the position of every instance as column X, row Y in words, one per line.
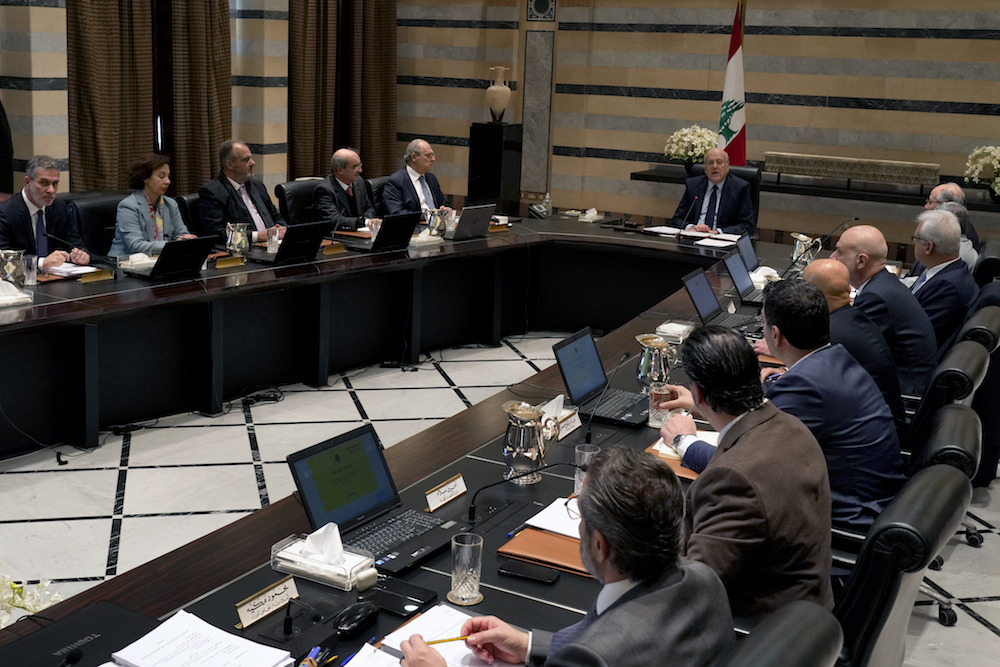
column 144, row 493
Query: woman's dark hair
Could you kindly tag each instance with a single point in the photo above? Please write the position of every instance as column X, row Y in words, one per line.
column 143, row 167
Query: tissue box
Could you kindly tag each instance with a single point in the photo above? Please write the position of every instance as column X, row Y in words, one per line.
column 286, row 556
column 674, row 331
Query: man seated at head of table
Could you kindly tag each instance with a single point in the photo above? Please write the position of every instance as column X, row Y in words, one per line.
column 147, row 219
column 652, row 608
column 342, row 198
column 759, row 513
column 716, row 201
column 883, row 298
column 27, row 219
column 236, row 196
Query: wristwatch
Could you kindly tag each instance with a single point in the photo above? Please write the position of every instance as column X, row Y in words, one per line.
column 678, row 438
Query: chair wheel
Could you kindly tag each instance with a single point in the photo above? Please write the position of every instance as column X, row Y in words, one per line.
column 947, row 617
column 974, row 539
column 936, row 564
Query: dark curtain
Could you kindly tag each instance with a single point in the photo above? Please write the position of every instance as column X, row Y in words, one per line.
column 341, row 84
column 110, row 86
column 6, row 155
column 202, row 90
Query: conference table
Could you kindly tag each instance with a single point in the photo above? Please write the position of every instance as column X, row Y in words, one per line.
column 533, row 270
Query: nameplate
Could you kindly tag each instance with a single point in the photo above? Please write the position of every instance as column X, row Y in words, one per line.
column 334, row 248
column 97, row 276
column 445, row 492
column 265, row 602
column 569, row 423
column 229, row 262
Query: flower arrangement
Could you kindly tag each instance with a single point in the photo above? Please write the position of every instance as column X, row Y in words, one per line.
column 16, row 595
column 690, row 144
column 984, row 158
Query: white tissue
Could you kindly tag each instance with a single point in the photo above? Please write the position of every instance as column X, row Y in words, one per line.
column 591, row 215
column 325, row 545
column 554, row 407
column 763, row 275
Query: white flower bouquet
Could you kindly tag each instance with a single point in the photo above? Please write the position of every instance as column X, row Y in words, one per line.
column 16, row 595
column 689, row 144
column 984, row 159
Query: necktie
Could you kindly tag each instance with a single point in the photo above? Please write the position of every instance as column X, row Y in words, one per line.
column 920, row 281
column 712, row 200
column 350, row 191
column 258, row 221
column 41, row 238
column 569, row 633
column 352, row 204
column 428, row 199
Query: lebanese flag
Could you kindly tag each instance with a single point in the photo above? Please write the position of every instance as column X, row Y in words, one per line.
column 732, row 120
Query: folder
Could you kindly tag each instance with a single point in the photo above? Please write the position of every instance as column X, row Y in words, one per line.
column 545, row 548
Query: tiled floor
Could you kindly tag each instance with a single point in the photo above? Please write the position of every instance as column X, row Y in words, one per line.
column 145, row 493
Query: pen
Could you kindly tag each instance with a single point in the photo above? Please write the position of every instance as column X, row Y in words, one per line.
column 516, row 531
column 453, row 639
column 330, row 659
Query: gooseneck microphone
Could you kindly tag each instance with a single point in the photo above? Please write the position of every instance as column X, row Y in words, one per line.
column 104, row 258
column 472, row 503
column 687, row 216
column 590, row 419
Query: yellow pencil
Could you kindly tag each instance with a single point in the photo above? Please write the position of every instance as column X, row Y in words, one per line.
column 453, row 639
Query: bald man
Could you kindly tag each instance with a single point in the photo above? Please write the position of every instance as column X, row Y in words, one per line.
column 850, row 327
column 717, row 201
column 342, row 198
column 883, row 298
column 952, row 193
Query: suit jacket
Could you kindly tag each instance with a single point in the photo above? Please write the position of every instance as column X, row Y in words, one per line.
column 399, row 195
column 734, row 214
column 850, row 327
column 906, row 328
column 333, row 204
column 17, row 228
column 759, row 514
column 681, row 619
column 219, row 203
column 946, row 299
column 134, row 226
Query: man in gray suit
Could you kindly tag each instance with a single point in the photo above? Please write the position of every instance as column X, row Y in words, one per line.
column 652, row 609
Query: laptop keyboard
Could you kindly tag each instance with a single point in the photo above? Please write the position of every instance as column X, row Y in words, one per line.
column 615, row 403
column 734, row 320
column 381, row 538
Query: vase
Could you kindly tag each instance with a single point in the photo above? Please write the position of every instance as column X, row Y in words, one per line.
column 498, row 94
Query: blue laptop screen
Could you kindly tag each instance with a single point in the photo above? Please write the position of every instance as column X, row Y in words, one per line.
column 738, row 272
column 580, row 365
column 702, row 295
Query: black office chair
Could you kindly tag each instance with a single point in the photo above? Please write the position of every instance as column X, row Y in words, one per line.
column 375, row 187
column 988, row 264
column 876, row 606
column 188, row 204
column 95, row 216
column 749, row 174
column 800, row 634
column 295, row 200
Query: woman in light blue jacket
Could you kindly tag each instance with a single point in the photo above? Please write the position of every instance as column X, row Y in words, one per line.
column 147, row 218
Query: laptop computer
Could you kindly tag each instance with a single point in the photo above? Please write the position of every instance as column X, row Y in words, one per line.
column 707, row 304
column 178, row 260
column 300, row 244
column 475, row 222
column 394, row 234
column 747, row 252
column 347, row 481
column 580, row 366
column 749, row 295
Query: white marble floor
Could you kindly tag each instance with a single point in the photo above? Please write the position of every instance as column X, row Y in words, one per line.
column 88, row 516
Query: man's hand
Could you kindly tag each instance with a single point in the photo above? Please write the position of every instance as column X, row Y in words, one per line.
column 55, row 258
column 186, row 236
column 768, row 371
column 491, row 639
column 677, row 425
column 416, row 653
column 79, row 257
column 760, row 347
column 281, row 231
column 683, row 400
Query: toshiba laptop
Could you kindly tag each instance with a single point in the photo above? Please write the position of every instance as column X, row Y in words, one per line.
column 707, row 303
column 474, row 222
column 749, row 295
column 345, row 480
column 394, row 234
column 300, row 244
column 580, row 366
column 747, row 252
column 177, row 260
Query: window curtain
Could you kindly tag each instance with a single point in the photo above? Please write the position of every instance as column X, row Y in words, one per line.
column 110, row 90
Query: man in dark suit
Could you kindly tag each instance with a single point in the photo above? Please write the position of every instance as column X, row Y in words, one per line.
column 890, row 305
column 39, row 224
column 716, row 202
column 759, row 513
column 343, row 197
column 235, row 196
column 951, row 192
column 652, row 609
column 859, row 335
column 414, row 188
column 945, row 289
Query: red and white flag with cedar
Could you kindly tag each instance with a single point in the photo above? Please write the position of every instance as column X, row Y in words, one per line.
column 732, row 120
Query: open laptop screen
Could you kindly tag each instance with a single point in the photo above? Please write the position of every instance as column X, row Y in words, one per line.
column 344, row 480
column 738, row 272
column 747, row 252
column 702, row 295
column 580, row 365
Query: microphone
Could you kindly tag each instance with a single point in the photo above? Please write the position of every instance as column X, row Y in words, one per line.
column 840, row 226
column 106, row 259
column 687, row 216
column 472, row 503
column 590, row 419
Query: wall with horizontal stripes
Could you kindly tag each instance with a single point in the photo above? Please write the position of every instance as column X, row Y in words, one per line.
column 907, row 80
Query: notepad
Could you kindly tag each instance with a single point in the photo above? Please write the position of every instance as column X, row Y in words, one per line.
column 439, row 622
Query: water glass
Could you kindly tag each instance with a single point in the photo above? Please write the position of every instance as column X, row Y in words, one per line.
column 466, row 569
column 30, row 269
column 659, row 392
column 584, row 453
column 272, row 239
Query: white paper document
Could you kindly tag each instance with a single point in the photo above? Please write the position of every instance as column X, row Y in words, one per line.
column 556, row 519
column 439, row 622
column 662, row 230
column 715, row 242
column 66, row 270
column 711, row 437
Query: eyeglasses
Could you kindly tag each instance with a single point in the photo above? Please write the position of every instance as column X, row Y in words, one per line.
column 919, row 238
column 573, row 509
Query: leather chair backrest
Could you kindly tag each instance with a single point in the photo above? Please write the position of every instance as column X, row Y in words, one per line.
column 955, row 438
column 988, row 265
column 95, row 216
column 983, row 327
column 375, row 187
column 800, row 634
column 188, row 204
column 749, row 174
column 876, row 606
column 295, row 200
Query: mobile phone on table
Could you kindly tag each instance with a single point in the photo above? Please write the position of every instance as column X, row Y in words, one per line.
column 529, row 571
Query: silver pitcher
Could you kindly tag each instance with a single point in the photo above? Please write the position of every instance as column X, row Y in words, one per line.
column 12, row 267
column 804, row 252
column 238, row 238
column 658, row 355
column 524, row 441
